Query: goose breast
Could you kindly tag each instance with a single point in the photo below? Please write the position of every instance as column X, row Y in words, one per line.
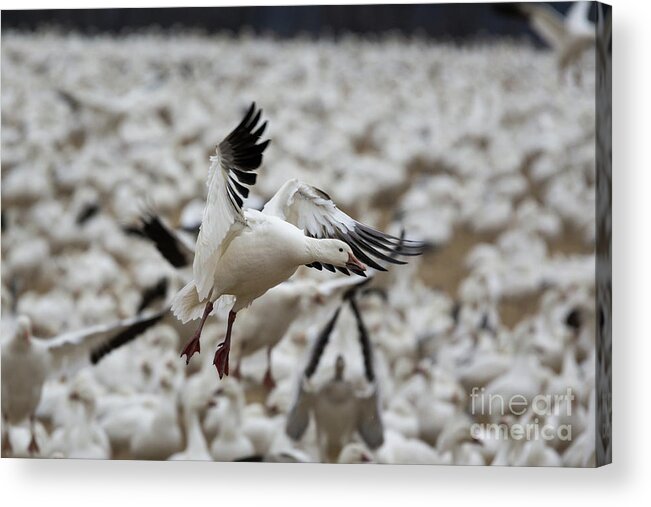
column 269, row 247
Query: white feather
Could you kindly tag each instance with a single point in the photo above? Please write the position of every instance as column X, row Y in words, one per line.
column 219, row 216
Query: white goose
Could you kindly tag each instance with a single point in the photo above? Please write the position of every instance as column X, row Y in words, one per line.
column 241, row 254
column 570, row 35
column 267, row 320
column 27, row 361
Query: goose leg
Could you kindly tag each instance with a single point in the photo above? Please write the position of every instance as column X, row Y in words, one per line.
column 268, row 380
column 7, row 450
column 223, row 349
column 193, row 345
column 33, row 446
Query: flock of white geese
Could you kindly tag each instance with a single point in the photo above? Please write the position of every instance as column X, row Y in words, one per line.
column 105, row 152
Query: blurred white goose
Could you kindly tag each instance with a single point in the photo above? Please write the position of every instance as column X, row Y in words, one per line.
column 581, row 452
column 196, row 448
column 339, row 411
column 456, row 442
column 159, row 435
column 27, row 361
column 535, row 453
column 399, row 450
column 80, row 436
column 569, row 36
column 241, row 254
column 260, row 428
column 231, row 442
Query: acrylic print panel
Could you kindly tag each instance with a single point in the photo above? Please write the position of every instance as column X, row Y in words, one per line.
column 416, row 268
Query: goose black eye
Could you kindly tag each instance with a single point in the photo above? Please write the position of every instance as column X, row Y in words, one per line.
column 341, row 249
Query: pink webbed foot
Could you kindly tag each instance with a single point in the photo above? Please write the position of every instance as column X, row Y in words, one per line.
column 192, row 346
column 221, row 358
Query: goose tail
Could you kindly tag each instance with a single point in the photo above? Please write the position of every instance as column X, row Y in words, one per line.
column 186, row 305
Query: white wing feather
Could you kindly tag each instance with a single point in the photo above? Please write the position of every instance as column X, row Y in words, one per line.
column 219, row 216
column 75, row 349
column 547, row 22
column 312, row 210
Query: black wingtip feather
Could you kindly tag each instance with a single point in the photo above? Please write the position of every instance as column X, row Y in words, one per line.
column 153, row 293
column 260, row 131
column 365, row 342
column 123, row 338
column 320, row 344
column 246, row 178
column 152, row 228
column 241, row 155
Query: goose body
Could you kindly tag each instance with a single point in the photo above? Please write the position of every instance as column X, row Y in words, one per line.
column 267, row 246
column 21, row 391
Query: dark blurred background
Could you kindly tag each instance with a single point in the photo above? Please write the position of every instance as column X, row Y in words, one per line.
column 441, row 21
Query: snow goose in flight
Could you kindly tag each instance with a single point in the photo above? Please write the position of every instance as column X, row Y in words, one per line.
column 268, row 319
column 241, row 254
column 27, row 361
column 568, row 36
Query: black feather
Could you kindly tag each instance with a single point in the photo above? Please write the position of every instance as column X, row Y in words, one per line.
column 365, row 342
column 235, row 197
column 244, row 177
column 166, row 243
column 153, row 293
column 369, row 248
column 574, row 320
column 87, row 212
column 320, row 344
column 241, row 155
column 123, row 338
column 243, row 191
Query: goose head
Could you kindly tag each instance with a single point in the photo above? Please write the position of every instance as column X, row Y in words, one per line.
column 22, row 333
column 340, row 365
column 82, row 394
column 337, row 253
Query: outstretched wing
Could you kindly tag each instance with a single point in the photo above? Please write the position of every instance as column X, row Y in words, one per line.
column 313, row 210
column 88, row 346
column 298, row 417
column 548, row 23
column 171, row 245
column 577, row 18
column 229, row 176
column 369, row 421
